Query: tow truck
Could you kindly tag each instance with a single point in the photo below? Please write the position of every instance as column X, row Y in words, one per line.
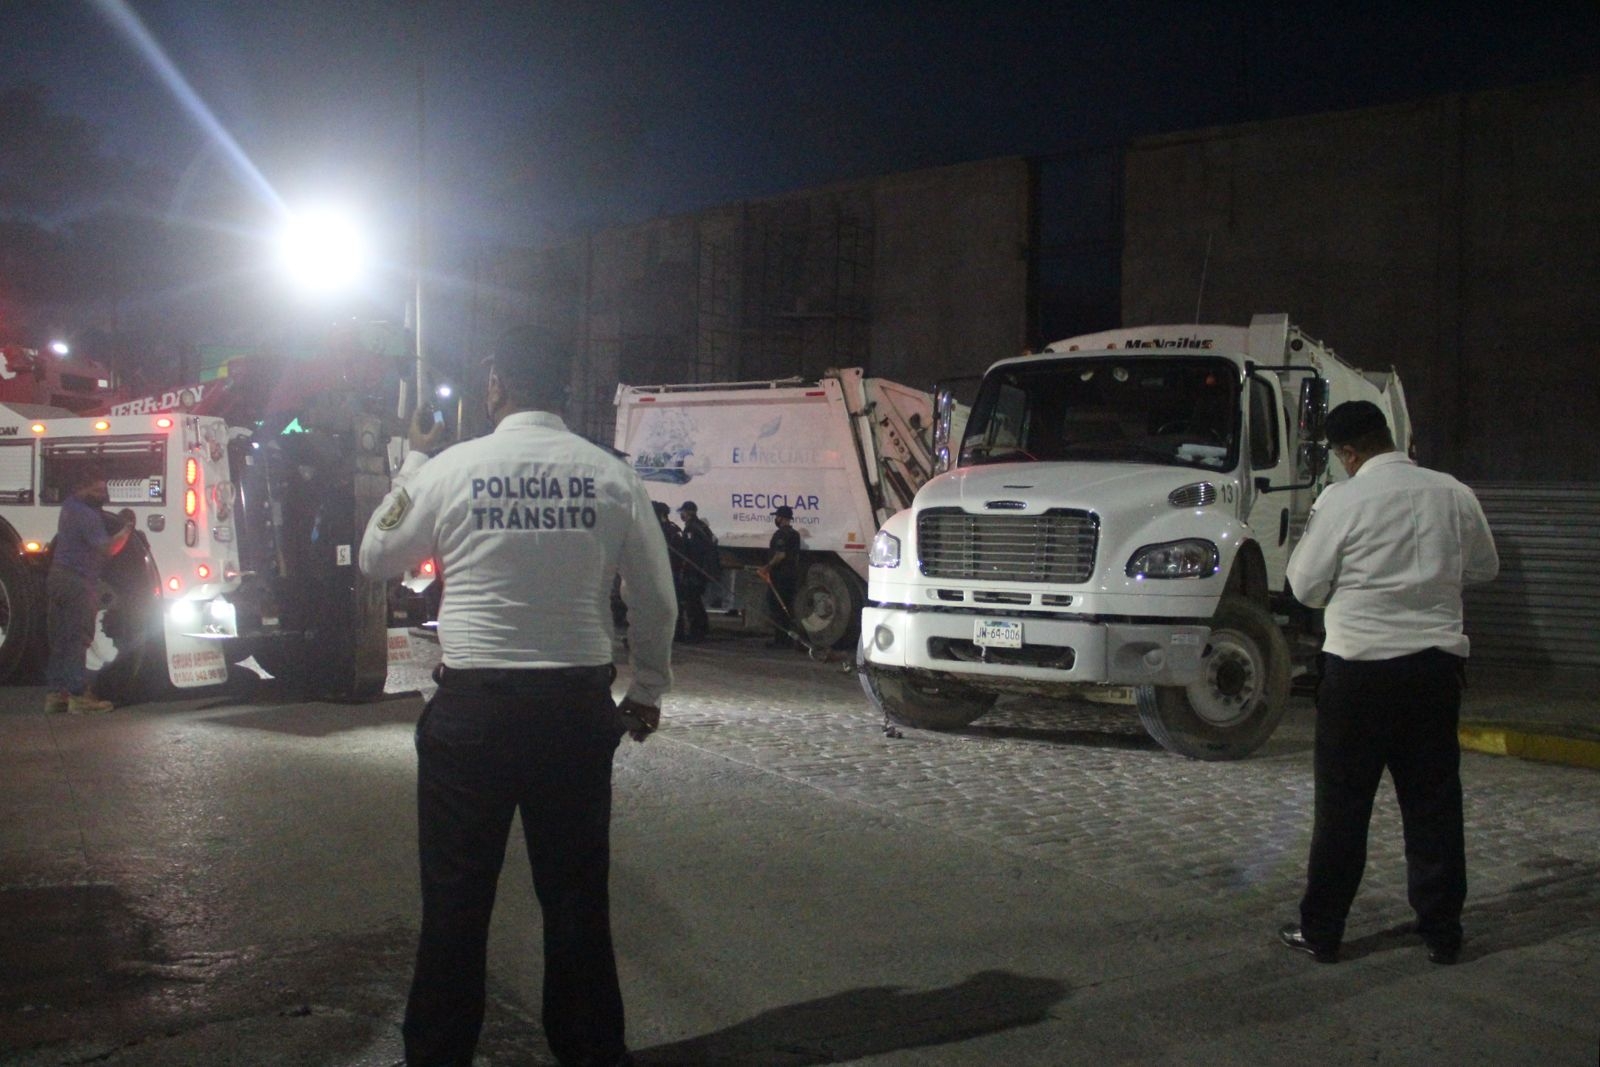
column 246, row 526
column 44, row 376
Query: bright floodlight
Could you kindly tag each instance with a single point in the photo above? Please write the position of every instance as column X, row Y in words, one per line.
column 322, row 252
column 60, row 348
column 444, row 392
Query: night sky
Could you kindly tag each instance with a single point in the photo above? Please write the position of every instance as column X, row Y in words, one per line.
column 546, row 118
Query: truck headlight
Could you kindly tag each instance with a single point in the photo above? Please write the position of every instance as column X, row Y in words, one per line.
column 1190, row 558
column 885, row 550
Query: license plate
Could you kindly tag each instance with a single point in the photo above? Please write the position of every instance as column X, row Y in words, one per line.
column 998, row 633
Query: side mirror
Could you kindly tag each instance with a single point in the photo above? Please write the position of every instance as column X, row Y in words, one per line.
column 1313, row 409
column 1310, row 460
column 944, row 406
column 1311, row 456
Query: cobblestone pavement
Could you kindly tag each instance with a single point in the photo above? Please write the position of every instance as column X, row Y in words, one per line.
column 1081, row 787
column 791, row 887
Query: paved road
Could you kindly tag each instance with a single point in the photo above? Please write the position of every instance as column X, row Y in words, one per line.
column 210, row 881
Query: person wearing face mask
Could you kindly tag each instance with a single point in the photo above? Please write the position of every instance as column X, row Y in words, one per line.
column 85, row 539
column 1386, row 554
column 528, row 524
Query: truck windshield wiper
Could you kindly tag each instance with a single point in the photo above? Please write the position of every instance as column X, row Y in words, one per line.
column 1118, row 450
column 997, row 454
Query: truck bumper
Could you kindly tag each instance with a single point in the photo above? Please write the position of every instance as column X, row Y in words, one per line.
column 1053, row 650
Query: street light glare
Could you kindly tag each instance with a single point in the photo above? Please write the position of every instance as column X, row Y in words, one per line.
column 444, row 392
column 322, row 251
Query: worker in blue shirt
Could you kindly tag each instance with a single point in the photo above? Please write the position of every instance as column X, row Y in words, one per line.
column 84, row 541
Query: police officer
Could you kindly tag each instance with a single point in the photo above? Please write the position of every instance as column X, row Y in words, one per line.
column 1386, row 555
column 700, row 568
column 528, row 525
column 782, row 571
column 673, row 536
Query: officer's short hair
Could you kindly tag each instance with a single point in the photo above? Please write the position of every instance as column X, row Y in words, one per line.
column 533, row 364
column 1359, row 424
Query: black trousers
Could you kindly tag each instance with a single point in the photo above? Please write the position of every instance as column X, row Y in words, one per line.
column 781, row 605
column 1401, row 714
column 692, row 620
column 542, row 746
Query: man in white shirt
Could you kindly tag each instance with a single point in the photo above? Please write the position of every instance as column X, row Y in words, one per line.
column 1386, row 554
column 527, row 527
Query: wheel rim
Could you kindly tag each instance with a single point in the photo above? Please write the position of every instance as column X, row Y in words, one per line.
column 5, row 613
column 820, row 609
column 824, row 605
column 1235, row 681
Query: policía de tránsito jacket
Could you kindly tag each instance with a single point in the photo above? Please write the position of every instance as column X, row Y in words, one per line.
column 1386, row 555
column 527, row 525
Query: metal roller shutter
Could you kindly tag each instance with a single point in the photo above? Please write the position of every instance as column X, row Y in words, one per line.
column 1544, row 609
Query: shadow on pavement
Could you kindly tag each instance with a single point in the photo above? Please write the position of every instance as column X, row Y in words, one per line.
column 1078, row 737
column 870, row 1021
column 320, row 719
column 1529, row 913
column 1561, row 902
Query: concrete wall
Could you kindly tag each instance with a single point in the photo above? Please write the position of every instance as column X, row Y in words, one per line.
column 1457, row 239
column 915, row 276
column 950, row 272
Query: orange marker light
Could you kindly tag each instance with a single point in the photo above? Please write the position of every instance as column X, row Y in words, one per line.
column 33, row 546
column 164, row 422
column 191, row 501
column 191, row 472
column 37, row 427
column 202, row 572
column 102, row 425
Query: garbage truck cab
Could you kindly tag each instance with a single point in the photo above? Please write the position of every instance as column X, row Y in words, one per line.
column 1115, row 526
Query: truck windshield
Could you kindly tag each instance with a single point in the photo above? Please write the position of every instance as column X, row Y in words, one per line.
column 1182, row 412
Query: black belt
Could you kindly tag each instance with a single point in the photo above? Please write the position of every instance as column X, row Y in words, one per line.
column 510, row 680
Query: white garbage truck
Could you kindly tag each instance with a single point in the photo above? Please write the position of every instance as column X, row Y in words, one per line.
column 1115, row 527
column 844, row 451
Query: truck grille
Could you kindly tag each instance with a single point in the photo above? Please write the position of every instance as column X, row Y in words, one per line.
column 1058, row 546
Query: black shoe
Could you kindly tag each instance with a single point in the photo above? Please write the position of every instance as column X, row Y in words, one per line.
column 1444, row 955
column 1291, row 935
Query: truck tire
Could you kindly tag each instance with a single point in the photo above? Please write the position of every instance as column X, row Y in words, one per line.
column 828, row 604
column 22, row 617
column 1232, row 710
column 923, row 705
column 131, row 618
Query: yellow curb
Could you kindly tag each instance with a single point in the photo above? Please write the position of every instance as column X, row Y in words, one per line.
column 1546, row 748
